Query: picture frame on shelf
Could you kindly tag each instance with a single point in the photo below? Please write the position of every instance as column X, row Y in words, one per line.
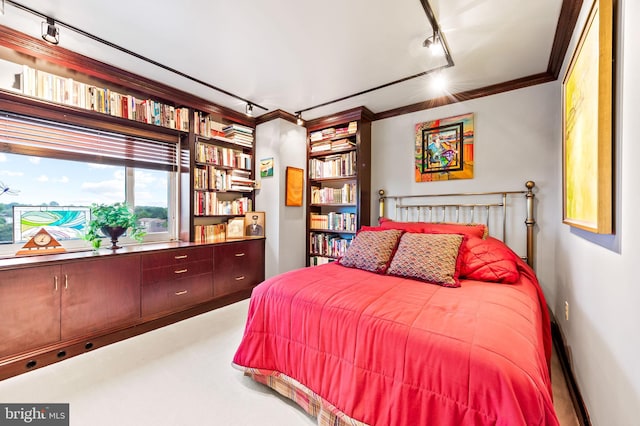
column 235, row 228
column 587, row 134
column 254, row 224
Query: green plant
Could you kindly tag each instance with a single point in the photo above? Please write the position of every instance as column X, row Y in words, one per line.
column 112, row 215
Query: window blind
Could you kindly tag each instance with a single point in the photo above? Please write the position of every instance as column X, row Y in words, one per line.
column 21, row 134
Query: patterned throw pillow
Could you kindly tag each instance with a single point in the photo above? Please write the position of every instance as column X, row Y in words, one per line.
column 428, row 257
column 371, row 250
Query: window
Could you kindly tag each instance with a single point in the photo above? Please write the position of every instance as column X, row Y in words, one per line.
column 55, row 194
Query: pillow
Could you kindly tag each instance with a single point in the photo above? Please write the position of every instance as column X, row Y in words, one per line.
column 371, row 250
column 428, row 257
column 471, row 229
column 405, row 226
column 488, row 260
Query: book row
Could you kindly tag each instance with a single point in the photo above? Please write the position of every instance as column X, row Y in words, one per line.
column 328, row 146
column 65, row 90
column 319, row 260
column 332, row 132
column 210, row 178
column 210, row 233
column 220, row 156
column 327, row 195
column 208, row 204
column 333, row 221
column 328, row 244
column 206, row 126
column 339, row 165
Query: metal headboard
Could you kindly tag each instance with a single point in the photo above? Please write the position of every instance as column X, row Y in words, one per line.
column 428, row 208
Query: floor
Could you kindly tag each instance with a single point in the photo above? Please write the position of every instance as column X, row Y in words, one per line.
column 178, row 375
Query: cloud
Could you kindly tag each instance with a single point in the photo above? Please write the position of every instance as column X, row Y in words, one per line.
column 43, row 178
column 10, row 173
column 63, row 179
column 99, row 166
column 35, row 160
column 3, row 157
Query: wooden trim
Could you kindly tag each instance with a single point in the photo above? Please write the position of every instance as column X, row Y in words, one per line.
column 562, row 351
column 273, row 115
column 564, row 31
column 506, row 86
column 359, row 113
column 40, row 49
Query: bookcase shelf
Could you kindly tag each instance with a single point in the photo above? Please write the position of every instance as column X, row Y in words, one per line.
column 339, row 183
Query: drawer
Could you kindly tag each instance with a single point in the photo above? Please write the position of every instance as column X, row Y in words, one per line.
column 176, row 295
column 238, row 266
column 176, row 272
column 176, row 257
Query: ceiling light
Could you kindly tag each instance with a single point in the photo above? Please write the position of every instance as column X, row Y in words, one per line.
column 438, row 82
column 434, row 44
column 300, row 121
column 249, row 110
column 50, row 32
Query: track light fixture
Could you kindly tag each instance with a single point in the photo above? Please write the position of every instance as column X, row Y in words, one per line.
column 249, row 110
column 50, row 32
column 299, row 119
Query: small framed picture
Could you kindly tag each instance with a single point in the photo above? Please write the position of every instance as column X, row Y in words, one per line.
column 235, row 228
column 266, row 167
column 254, row 224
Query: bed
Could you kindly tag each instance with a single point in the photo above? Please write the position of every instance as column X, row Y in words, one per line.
column 425, row 320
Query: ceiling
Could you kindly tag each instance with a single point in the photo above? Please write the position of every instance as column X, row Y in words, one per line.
column 292, row 55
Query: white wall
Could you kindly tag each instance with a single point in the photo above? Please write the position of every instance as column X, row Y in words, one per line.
column 598, row 276
column 285, row 226
column 516, row 139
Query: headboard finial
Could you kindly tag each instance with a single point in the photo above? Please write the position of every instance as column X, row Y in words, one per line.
column 530, row 184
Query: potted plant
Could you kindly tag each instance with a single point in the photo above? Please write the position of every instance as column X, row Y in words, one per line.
column 112, row 220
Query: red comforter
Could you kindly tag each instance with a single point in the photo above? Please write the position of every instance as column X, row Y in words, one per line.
column 391, row 351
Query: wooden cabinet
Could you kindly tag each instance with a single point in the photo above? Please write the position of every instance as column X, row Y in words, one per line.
column 175, row 279
column 30, row 306
column 99, row 294
column 238, row 266
column 339, row 184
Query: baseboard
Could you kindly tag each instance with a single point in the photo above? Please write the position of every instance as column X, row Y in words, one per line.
column 562, row 351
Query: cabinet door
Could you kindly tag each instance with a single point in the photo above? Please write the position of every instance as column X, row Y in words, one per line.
column 100, row 294
column 237, row 266
column 30, row 309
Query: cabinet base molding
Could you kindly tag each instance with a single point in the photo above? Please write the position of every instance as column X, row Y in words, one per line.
column 32, row 360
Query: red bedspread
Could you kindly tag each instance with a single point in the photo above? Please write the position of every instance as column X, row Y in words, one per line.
column 393, row 351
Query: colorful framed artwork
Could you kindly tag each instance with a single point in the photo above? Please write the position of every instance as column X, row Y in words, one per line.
column 63, row 223
column 444, row 149
column 266, row 167
column 294, row 187
column 587, row 116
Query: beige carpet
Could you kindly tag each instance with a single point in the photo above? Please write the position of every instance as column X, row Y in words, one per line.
column 179, row 375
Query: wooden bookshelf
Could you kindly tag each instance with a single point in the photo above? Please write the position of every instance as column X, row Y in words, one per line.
column 339, row 183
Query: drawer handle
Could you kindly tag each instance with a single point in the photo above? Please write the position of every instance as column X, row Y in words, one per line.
column 180, row 293
column 239, row 254
column 240, row 278
column 182, row 256
column 180, row 271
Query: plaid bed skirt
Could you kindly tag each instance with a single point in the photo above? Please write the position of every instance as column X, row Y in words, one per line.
column 326, row 413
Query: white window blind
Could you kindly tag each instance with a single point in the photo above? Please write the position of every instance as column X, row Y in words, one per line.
column 20, row 134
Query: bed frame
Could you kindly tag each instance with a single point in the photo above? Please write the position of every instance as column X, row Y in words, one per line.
column 490, row 208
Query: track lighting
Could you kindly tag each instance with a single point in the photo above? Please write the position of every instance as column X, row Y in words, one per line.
column 434, row 44
column 249, row 110
column 50, row 32
column 299, row 120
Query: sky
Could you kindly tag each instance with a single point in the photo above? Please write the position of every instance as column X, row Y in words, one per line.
column 43, row 180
